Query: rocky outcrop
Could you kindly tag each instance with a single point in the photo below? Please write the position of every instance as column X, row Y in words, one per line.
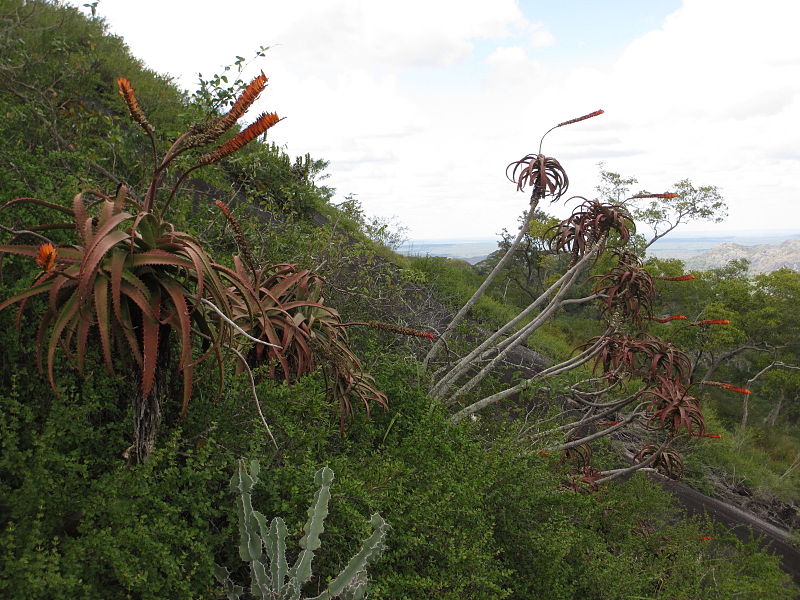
column 763, row 259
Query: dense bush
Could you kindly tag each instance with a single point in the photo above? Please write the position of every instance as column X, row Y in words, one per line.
column 469, row 518
column 474, row 514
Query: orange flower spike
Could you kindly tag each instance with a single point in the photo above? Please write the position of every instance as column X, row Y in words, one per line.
column 127, row 93
column 679, row 278
column 662, row 196
column 668, row 319
column 706, row 538
column 249, row 95
column 47, row 257
column 711, row 435
column 264, row 122
column 712, row 322
column 727, row 386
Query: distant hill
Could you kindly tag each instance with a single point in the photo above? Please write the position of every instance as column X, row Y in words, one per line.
column 473, row 250
column 763, row 258
column 767, row 250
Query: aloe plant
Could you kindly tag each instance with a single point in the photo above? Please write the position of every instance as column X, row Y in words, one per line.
column 130, row 279
column 301, row 331
column 264, row 547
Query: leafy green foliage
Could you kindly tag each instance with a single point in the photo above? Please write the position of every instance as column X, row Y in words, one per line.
column 475, row 514
column 665, row 212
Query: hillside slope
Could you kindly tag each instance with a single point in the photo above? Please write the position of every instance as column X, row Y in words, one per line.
column 474, row 513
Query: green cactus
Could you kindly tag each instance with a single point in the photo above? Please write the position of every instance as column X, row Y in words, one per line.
column 279, row 581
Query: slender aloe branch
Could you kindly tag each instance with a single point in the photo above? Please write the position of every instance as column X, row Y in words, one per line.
column 225, row 318
column 611, row 408
column 599, row 434
column 573, row 362
column 481, row 351
column 515, row 340
column 436, row 348
column 616, row 473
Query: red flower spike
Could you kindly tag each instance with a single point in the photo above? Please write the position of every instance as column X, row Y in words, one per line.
column 711, row 435
column 679, row 278
column 222, row 206
column 662, row 196
column 668, row 319
column 706, row 538
column 712, row 322
column 583, row 118
column 47, row 257
column 727, row 386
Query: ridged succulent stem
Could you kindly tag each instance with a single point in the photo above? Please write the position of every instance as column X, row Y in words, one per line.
column 275, row 579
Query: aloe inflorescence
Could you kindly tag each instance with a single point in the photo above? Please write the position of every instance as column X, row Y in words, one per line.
column 543, row 173
column 143, row 293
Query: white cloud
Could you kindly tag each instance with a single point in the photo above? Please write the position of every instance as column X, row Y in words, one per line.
column 419, row 106
column 539, row 36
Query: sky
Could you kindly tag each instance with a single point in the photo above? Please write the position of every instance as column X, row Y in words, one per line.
column 420, row 105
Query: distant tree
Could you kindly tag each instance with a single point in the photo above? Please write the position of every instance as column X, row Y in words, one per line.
column 662, row 215
column 387, row 231
column 532, row 262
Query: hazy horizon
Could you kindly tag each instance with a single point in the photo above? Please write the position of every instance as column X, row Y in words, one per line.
column 682, row 244
column 674, row 234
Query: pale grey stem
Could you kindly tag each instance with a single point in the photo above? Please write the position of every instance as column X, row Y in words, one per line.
column 792, row 467
column 745, row 406
column 446, row 382
column 479, row 292
column 582, row 300
column 252, row 387
column 515, row 340
column 235, row 326
column 525, row 428
column 609, row 410
column 615, row 473
column 581, row 395
column 255, row 395
column 612, row 408
column 608, row 404
column 546, row 374
column 599, row 434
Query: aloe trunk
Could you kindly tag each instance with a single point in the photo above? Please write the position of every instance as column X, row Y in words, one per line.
column 434, row 351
